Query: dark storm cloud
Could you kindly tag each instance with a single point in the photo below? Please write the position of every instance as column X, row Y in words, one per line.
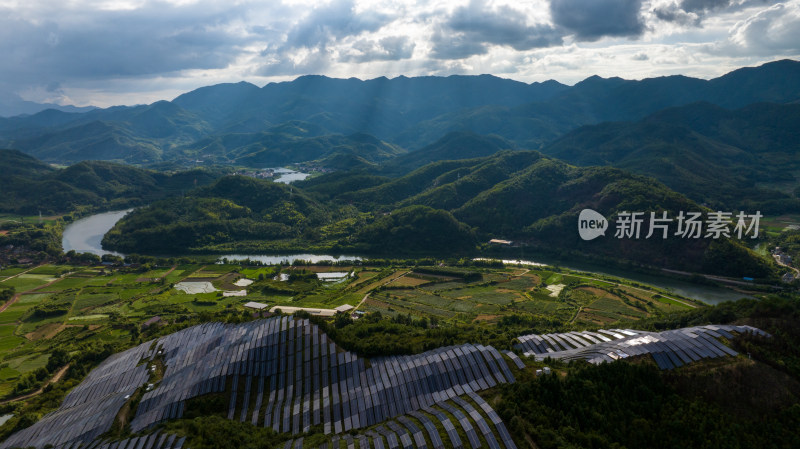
column 470, row 29
column 105, row 44
column 592, row 20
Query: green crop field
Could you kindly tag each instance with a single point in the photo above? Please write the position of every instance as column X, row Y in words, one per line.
column 103, row 303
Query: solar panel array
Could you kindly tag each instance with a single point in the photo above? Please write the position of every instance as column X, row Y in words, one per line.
column 473, row 417
column 280, row 372
column 90, row 408
column 670, row 349
column 155, row 440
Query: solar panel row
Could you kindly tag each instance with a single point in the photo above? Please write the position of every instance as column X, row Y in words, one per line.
column 670, row 349
column 155, row 440
column 90, row 408
column 279, row 372
column 479, row 422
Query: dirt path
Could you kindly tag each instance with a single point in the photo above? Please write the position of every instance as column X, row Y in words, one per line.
column 778, row 261
column 361, row 302
column 167, row 273
column 580, row 309
column 58, row 375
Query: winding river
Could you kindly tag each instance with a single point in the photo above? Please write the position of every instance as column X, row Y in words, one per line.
column 86, row 234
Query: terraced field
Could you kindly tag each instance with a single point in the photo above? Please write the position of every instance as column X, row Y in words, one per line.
column 60, row 304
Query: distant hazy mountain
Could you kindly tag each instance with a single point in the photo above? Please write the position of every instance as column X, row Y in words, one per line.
column 221, row 121
column 12, row 105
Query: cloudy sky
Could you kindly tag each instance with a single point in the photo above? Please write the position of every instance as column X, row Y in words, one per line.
column 106, row 52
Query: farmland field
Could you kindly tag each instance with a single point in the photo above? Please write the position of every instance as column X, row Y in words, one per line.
column 104, row 303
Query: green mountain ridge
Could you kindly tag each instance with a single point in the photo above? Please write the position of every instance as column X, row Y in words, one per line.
column 746, row 158
column 404, row 112
column 443, row 206
column 34, row 187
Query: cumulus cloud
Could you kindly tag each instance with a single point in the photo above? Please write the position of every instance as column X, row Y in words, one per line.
column 772, row 30
column 143, row 50
column 333, row 21
column 694, row 12
column 471, row 28
column 673, row 13
column 703, row 5
column 314, row 61
column 592, row 20
column 389, row 48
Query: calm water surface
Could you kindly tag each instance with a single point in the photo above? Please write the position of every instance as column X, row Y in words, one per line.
column 85, row 235
column 288, row 176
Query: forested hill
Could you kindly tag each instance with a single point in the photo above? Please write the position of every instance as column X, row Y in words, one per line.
column 30, row 186
column 235, row 122
column 745, row 158
column 449, row 206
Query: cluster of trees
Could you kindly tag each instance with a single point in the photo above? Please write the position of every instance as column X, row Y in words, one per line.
column 6, row 294
column 39, row 238
column 50, row 309
column 633, row 405
column 636, row 405
column 32, row 186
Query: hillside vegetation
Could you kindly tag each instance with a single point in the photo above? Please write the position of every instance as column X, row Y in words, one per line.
column 30, row 186
column 443, row 206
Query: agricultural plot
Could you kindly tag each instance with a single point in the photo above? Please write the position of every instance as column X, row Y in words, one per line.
column 505, row 291
column 103, row 302
column 27, row 281
column 7, row 338
column 53, row 270
column 408, row 281
column 11, row 271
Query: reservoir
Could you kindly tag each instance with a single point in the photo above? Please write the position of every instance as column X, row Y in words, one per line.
column 288, row 176
column 85, row 235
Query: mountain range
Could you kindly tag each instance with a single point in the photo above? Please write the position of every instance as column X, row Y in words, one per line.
column 230, row 122
column 417, row 158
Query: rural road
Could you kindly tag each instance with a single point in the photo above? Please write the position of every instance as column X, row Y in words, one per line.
column 796, row 271
column 56, row 377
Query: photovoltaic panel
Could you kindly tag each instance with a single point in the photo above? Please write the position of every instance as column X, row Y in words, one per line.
column 669, row 349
